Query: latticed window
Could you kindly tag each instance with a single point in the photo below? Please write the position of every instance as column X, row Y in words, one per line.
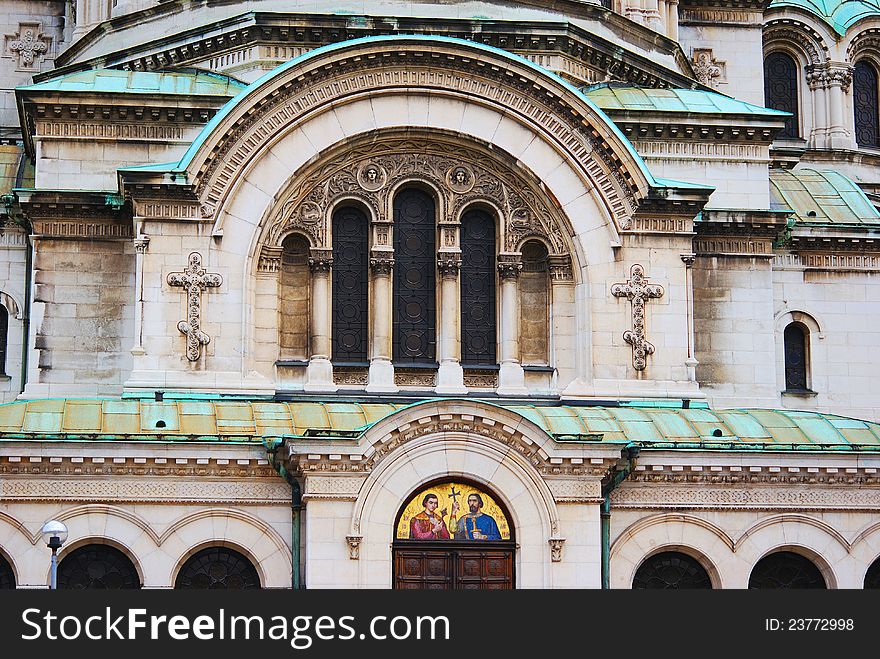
column 350, row 284
column 781, row 90
column 414, row 278
column 478, row 339
column 785, row 569
column 293, row 285
column 7, row 576
column 218, row 568
column 795, row 345
column 865, row 104
column 98, row 567
column 671, row 569
column 872, row 577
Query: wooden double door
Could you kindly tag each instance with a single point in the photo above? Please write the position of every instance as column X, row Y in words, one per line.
column 444, row 566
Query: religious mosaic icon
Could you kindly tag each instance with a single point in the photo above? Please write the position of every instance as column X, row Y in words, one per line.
column 453, row 511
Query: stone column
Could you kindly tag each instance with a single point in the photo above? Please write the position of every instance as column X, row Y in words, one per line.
column 839, row 77
column 511, row 377
column 691, row 361
column 319, row 375
column 140, row 246
column 672, row 19
column 818, row 136
column 381, row 378
column 450, row 377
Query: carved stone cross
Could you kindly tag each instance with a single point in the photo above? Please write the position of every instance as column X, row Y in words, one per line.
column 638, row 291
column 194, row 279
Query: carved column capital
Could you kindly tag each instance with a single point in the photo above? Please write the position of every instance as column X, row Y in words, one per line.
column 449, row 265
column 688, row 260
column 320, row 261
column 141, row 243
column 556, row 549
column 381, row 264
column 354, row 546
column 509, row 265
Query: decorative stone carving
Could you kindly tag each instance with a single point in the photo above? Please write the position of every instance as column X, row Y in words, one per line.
column 638, row 291
column 194, row 279
column 371, row 177
column 354, row 546
column 556, row 549
column 707, row 69
column 381, row 264
column 829, row 75
column 448, row 264
column 460, row 179
column 509, row 266
column 141, row 243
column 794, row 33
column 526, row 210
column 28, row 45
column 320, row 260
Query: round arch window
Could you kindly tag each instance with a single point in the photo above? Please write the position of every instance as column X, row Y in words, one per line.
column 785, row 569
column 7, row 576
column 97, row 567
column 673, row 570
column 218, row 568
column 872, row 576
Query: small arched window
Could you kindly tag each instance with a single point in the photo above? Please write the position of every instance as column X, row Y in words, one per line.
column 796, row 345
column 217, row 568
column 97, row 567
column 872, row 576
column 350, row 281
column 781, row 90
column 785, row 569
column 865, row 104
column 293, row 291
column 534, row 290
column 671, row 570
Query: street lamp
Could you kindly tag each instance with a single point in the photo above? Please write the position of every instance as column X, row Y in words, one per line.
column 54, row 535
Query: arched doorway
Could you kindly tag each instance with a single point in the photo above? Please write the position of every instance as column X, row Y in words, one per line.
column 453, row 535
column 97, row 567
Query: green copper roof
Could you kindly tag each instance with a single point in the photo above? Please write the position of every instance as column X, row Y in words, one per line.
column 838, row 14
column 648, row 424
column 188, row 83
column 614, row 96
column 821, row 197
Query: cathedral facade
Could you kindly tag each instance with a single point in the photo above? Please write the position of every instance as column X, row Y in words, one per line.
column 459, row 295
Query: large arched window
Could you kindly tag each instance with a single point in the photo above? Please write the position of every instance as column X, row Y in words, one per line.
column 293, row 285
column 865, row 104
column 7, row 576
column 671, row 569
column 414, row 278
column 796, row 345
column 98, row 567
column 534, row 290
column 217, row 568
column 781, row 90
column 785, row 569
column 350, row 284
column 478, row 338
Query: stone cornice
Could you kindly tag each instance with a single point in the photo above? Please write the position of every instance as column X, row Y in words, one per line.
column 678, row 126
column 299, row 33
column 76, row 215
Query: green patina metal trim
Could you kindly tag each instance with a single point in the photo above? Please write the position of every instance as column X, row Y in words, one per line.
column 404, row 38
column 116, row 81
column 839, row 15
column 622, row 96
column 822, row 198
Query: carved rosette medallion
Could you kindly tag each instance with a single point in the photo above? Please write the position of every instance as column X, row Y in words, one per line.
column 638, row 291
column 194, row 279
column 371, row 176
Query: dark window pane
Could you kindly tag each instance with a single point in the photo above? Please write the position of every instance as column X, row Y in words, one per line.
column 671, row 569
column 414, row 277
column 795, row 339
column 786, row 569
column 350, row 285
column 781, row 90
column 865, row 104
column 7, row 576
column 478, row 338
column 872, row 577
column 97, row 567
column 218, row 568
column 4, row 337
